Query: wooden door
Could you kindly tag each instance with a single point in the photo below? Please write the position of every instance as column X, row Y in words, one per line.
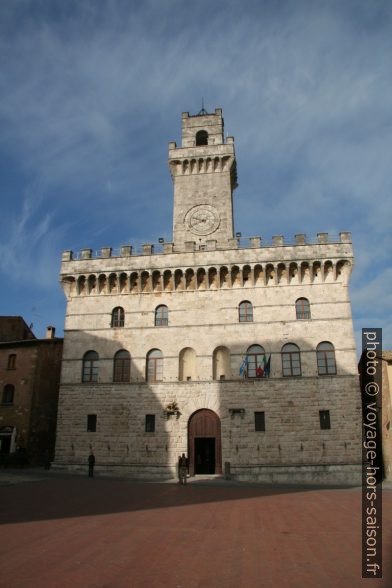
column 204, row 423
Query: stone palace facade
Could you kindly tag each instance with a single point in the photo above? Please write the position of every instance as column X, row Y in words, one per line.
column 240, row 355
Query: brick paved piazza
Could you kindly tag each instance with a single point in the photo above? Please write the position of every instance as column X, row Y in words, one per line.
column 71, row 531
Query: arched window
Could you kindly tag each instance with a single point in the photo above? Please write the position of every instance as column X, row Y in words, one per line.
column 302, row 308
column 326, row 363
column 161, row 316
column 118, row 317
column 255, row 361
column 245, row 312
column 201, row 138
column 8, row 394
column 122, row 366
column 90, row 367
column 187, row 364
column 154, row 366
column 11, row 361
column 221, row 363
column 291, row 360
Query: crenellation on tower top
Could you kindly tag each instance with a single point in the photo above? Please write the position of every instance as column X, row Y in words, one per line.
column 336, row 245
column 202, row 129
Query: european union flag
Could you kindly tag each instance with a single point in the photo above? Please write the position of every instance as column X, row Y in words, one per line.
column 267, row 368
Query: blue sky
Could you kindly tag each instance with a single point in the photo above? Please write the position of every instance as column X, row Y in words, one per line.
column 91, row 93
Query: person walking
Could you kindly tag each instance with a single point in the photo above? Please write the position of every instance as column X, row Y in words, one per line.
column 182, row 468
column 91, row 464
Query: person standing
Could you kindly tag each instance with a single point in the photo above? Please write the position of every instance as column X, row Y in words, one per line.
column 182, row 466
column 91, row 464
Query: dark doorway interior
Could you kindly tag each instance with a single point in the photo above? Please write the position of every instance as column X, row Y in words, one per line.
column 5, row 443
column 205, row 455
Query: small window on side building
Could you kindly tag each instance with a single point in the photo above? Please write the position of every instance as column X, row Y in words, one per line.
column 8, row 394
column 92, row 423
column 11, row 361
column 325, row 422
column 150, row 423
column 259, row 421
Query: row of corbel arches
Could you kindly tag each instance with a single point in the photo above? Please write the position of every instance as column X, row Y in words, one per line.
column 210, row 278
column 200, row 165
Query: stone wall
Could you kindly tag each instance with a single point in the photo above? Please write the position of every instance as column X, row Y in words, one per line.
column 36, row 378
column 202, row 277
column 292, row 437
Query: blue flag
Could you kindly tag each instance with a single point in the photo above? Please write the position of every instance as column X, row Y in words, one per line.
column 267, row 368
column 244, row 366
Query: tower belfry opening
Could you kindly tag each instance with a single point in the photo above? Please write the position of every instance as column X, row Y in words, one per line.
column 201, row 138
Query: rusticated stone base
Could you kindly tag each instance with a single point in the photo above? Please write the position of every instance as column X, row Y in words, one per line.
column 133, row 471
column 323, row 474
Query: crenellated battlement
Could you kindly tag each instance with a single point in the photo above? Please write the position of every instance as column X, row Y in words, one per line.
column 237, row 243
column 147, row 272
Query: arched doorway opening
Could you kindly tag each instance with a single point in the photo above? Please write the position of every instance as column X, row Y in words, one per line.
column 204, row 443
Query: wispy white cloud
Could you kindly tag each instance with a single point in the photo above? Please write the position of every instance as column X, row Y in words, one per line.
column 27, row 246
column 90, row 96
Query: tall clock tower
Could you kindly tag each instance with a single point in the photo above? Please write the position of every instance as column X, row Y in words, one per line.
column 204, row 176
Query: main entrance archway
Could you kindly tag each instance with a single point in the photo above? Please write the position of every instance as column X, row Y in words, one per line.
column 204, row 443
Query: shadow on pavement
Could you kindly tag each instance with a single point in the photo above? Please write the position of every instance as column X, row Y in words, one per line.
column 43, row 496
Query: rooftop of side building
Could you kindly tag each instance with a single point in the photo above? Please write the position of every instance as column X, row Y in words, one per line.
column 14, row 331
column 14, row 328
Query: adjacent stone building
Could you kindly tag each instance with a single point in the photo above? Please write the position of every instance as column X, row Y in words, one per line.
column 386, row 424
column 239, row 353
column 29, row 386
column 383, row 402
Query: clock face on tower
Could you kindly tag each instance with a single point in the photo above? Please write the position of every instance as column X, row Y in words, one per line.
column 202, row 219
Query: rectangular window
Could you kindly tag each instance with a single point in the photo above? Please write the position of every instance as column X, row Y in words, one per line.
column 251, row 372
column 121, row 370
column 11, row 361
column 246, row 312
column 291, row 364
column 155, row 369
column 150, row 423
column 325, row 422
column 259, row 421
column 321, row 364
column 92, row 423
